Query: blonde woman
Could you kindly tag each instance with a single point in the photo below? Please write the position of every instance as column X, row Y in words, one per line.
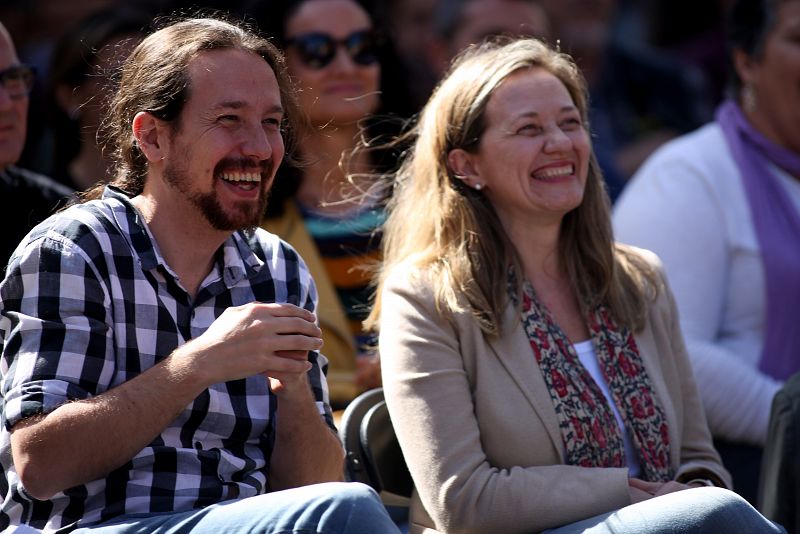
column 534, row 370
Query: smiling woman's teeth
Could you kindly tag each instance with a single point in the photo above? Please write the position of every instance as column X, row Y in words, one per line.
column 552, row 172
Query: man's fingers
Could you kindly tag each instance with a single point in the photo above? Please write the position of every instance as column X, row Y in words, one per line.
column 293, row 342
column 300, row 355
column 292, row 325
column 282, row 309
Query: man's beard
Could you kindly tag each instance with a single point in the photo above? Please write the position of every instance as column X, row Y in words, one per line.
column 243, row 215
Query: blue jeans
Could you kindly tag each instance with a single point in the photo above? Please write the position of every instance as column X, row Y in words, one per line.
column 331, row 508
column 695, row 511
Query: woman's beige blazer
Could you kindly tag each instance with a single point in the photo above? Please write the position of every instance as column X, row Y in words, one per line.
column 479, row 431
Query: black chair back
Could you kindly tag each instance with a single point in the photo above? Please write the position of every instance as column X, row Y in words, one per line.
column 373, row 453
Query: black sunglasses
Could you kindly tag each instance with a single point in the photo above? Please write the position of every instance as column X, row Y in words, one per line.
column 317, row 50
column 17, row 80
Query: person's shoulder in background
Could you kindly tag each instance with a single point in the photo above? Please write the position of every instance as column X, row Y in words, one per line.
column 26, row 199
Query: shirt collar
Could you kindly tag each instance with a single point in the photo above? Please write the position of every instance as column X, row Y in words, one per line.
column 237, row 260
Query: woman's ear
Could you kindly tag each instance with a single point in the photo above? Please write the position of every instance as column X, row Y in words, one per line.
column 147, row 130
column 462, row 165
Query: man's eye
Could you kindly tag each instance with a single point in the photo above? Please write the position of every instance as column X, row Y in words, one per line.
column 272, row 124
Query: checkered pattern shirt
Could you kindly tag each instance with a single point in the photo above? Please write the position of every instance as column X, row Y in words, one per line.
column 89, row 303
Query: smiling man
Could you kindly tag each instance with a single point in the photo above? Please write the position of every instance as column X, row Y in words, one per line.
column 160, row 364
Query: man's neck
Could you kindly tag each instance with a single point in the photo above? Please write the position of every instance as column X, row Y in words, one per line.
column 186, row 241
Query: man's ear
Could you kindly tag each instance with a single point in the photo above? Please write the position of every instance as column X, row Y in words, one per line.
column 462, row 166
column 149, row 133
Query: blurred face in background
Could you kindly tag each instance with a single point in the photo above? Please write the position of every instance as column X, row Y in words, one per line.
column 580, row 24
column 774, row 78
column 412, row 27
column 331, row 53
column 485, row 18
column 13, row 107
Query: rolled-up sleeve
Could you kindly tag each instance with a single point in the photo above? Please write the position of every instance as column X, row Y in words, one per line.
column 55, row 321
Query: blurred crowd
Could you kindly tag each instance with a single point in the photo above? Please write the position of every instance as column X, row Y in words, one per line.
column 656, row 69
column 674, row 112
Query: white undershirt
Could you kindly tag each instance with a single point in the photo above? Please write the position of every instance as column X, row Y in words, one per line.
column 587, row 356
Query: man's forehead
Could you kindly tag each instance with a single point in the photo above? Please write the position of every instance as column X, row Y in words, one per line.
column 233, row 78
column 225, row 60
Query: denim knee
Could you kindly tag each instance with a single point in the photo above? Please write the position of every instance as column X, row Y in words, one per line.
column 357, row 506
column 725, row 510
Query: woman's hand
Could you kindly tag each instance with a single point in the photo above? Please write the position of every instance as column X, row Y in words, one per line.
column 641, row 490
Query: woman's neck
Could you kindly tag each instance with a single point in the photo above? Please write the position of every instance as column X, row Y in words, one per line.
column 538, row 252
column 325, row 186
column 544, row 270
column 535, row 240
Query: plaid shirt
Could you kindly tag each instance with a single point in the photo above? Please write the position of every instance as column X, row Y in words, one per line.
column 89, row 303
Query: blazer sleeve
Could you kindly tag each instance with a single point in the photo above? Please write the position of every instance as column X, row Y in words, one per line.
column 429, row 392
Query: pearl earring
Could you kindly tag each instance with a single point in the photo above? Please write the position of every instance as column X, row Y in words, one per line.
column 478, row 186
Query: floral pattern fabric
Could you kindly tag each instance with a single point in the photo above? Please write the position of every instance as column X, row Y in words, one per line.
column 591, row 435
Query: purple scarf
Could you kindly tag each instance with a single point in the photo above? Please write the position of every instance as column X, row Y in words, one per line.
column 777, row 226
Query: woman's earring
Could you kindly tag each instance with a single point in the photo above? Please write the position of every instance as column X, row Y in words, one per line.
column 463, row 178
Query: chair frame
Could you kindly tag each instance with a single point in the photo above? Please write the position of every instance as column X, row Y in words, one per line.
column 373, row 455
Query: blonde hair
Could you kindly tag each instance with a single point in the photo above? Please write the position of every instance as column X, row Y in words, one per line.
column 439, row 225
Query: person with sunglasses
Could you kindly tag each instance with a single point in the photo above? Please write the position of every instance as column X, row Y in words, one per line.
column 26, row 198
column 319, row 205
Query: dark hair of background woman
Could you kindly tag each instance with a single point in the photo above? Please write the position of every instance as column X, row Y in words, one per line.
column 749, row 23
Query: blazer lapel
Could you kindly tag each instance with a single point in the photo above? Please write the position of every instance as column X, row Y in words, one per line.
column 514, row 352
